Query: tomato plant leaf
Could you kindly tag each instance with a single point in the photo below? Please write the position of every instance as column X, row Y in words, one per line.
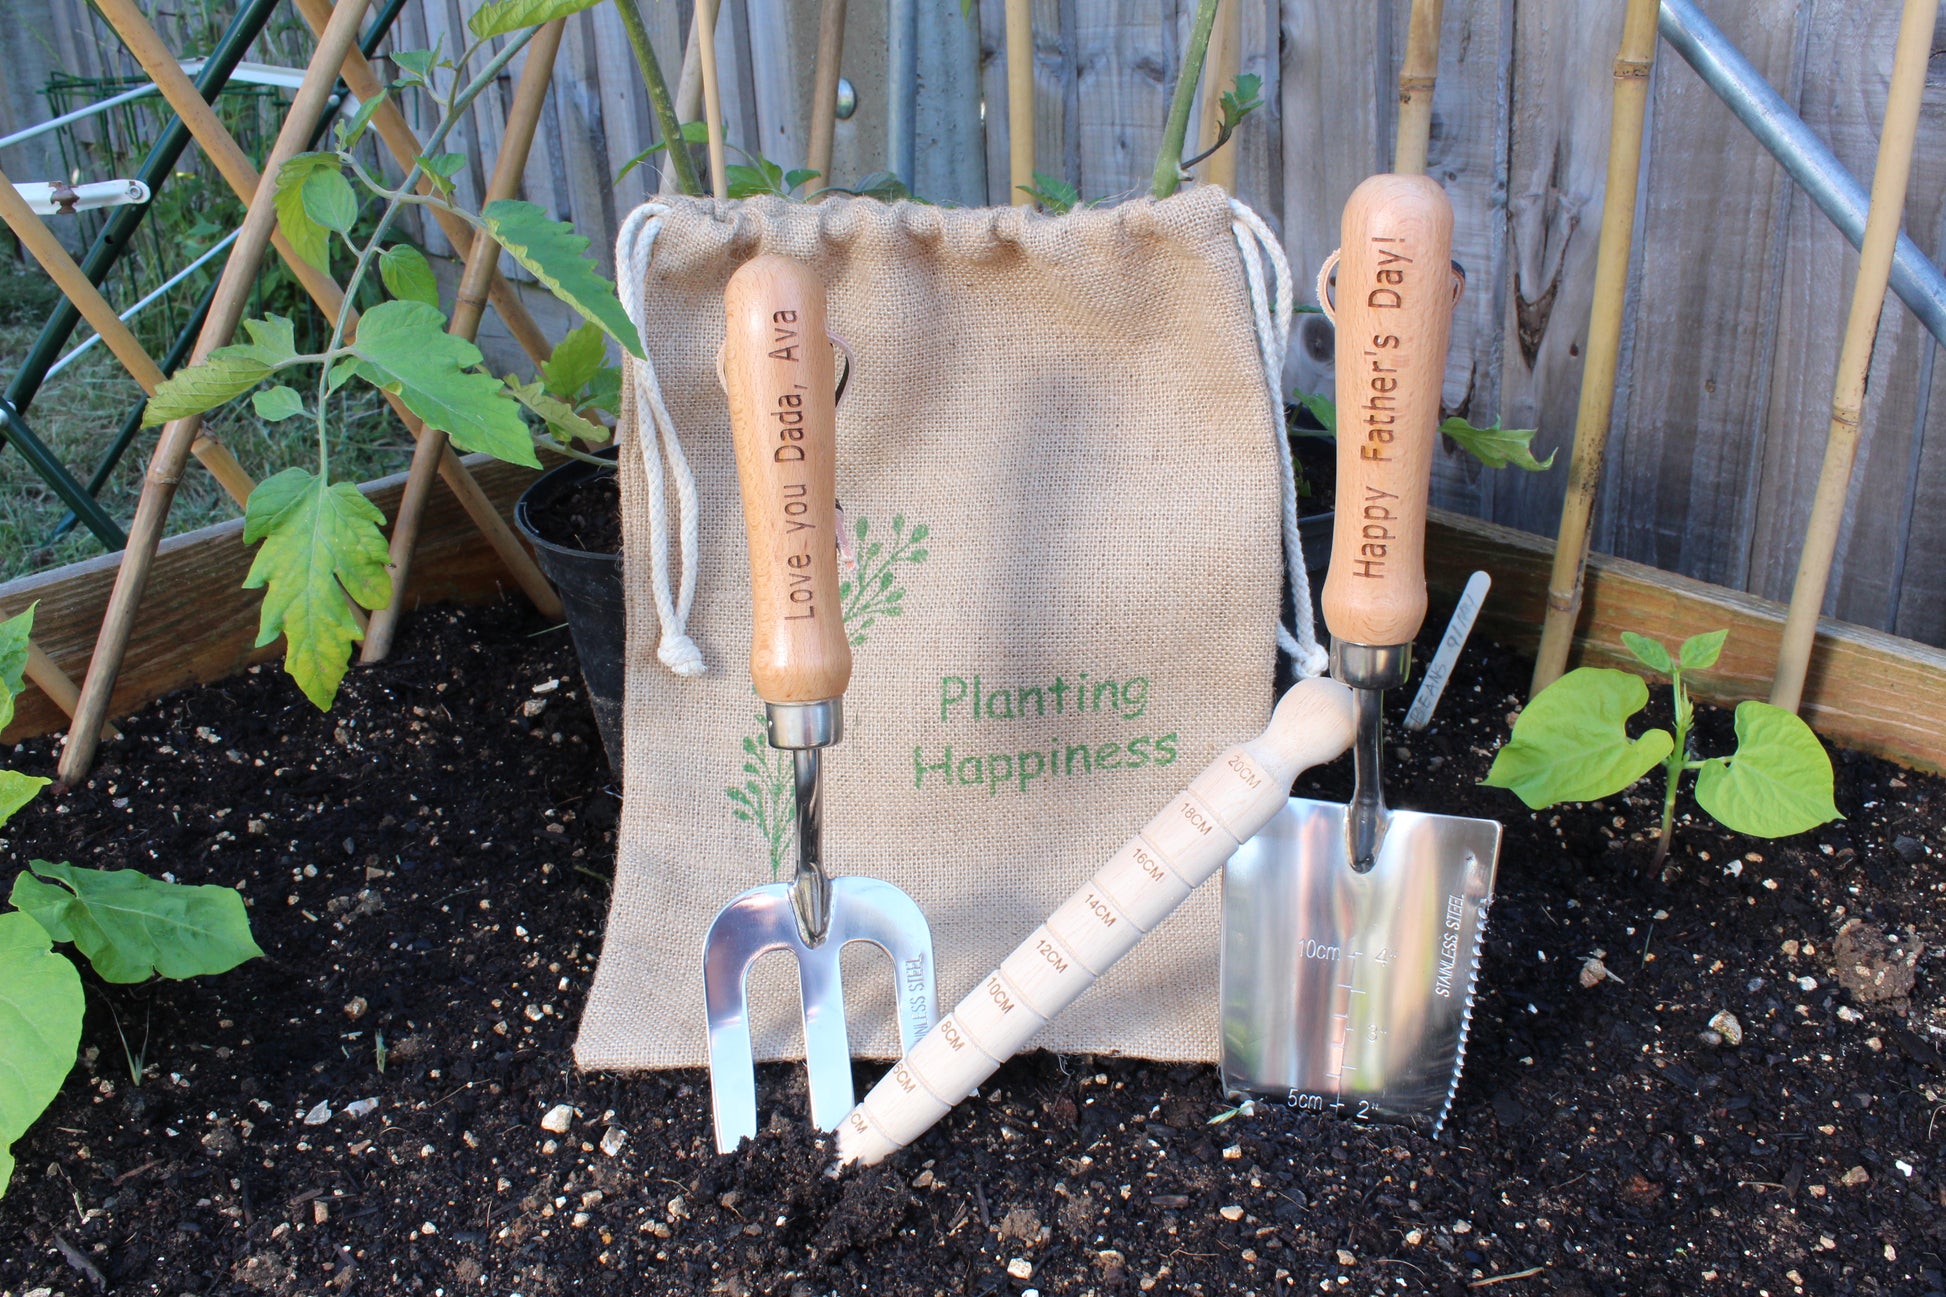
column 1571, row 743
column 1054, row 194
column 1778, row 781
column 320, row 541
column 348, row 133
column 131, row 926
column 408, row 275
column 558, row 415
column 442, row 167
column 16, row 790
column 1321, row 408
column 228, row 372
column 40, row 1028
column 554, row 254
column 1650, row 653
column 309, row 239
column 1699, row 652
column 1497, row 447
column 502, row 16
column 14, row 634
column 576, row 360
column 328, row 199
column 403, row 348
column 276, row 404
column 692, row 133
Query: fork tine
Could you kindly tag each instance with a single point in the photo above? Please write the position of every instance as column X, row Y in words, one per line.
column 827, row 1048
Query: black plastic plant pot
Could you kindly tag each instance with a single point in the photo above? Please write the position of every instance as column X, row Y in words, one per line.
column 590, row 585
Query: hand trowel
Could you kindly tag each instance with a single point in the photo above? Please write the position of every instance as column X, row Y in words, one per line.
column 1351, row 934
column 776, row 366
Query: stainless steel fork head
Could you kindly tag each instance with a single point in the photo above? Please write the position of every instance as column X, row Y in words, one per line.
column 762, row 920
column 1351, row 993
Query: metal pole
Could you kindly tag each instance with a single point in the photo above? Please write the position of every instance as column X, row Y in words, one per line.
column 1804, row 156
column 902, row 88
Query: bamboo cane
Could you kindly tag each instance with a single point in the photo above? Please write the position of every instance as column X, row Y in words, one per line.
column 1631, row 98
column 1417, row 77
column 403, row 144
column 824, row 89
column 705, row 21
column 58, row 685
column 1020, row 101
column 689, row 101
column 1889, row 181
column 1225, row 57
column 469, row 307
column 79, row 289
column 242, row 177
column 172, row 447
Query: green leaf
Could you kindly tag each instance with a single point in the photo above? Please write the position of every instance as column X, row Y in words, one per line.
column 1699, row 652
column 1052, row 193
column 276, row 404
column 576, row 360
column 604, row 391
column 798, row 176
column 341, row 372
column 329, row 200
column 442, row 167
column 1321, row 408
column 320, row 541
column 309, row 239
column 408, row 275
column 1648, row 652
column 228, row 372
column 16, row 790
column 503, row 16
column 1495, row 446
column 761, row 177
column 554, row 254
column 1778, row 781
column 417, row 64
column 348, row 133
column 885, row 187
column 131, row 926
column 1571, row 744
column 40, row 1028
column 403, row 347
column 14, row 635
column 692, row 133
column 1241, row 100
column 558, row 415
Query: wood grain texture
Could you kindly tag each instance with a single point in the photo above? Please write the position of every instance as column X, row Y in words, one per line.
column 1696, row 363
column 198, row 624
column 1394, row 313
column 1868, row 690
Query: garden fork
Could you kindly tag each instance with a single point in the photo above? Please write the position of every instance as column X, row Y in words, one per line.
column 777, row 368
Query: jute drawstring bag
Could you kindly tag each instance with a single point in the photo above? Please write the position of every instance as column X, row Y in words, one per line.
column 1062, row 464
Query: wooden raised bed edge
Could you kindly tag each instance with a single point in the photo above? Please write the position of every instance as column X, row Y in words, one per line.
column 1870, row 691
column 198, row 624
column 1866, row 690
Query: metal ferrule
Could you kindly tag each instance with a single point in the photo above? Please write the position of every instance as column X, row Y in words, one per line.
column 794, row 726
column 810, row 885
column 1370, row 666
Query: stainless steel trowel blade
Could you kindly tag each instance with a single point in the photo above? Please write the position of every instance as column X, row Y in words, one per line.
column 1350, row 994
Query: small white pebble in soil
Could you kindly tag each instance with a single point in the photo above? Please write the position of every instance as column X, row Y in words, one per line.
column 612, row 1140
column 1807, row 983
column 1853, row 1178
column 1848, row 1014
column 1905, row 1167
column 1346, row 1259
column 360, row 1107
column 1414, row 1237
column 1020, row 1268
column 1233, row 1153
column 1725, row 1024
column 558, row 1119
column 1231, row 1212
column 318, row 1115
column 429, row 1228
column 548, row 1146
column 1462, row 1227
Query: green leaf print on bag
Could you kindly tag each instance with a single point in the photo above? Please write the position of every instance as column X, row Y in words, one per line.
column 767, row 795
column 874, row 591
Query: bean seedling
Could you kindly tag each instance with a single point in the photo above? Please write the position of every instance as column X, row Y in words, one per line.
column 1571, row 744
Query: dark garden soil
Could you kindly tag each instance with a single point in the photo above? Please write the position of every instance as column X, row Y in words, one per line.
column 586, row 516
column 363, row 1110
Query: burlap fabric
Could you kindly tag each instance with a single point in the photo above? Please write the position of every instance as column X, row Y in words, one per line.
column 1058, row 456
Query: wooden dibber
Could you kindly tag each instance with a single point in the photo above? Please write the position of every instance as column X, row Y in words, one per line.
column 779, row 373
column 1139, row 887
column 1394, row 314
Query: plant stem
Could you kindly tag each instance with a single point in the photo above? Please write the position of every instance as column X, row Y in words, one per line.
column 1168, row 164
column 454, row 107
column 659, row 97
column 1672, row 769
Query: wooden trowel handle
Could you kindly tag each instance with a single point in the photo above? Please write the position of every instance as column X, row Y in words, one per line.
column 1395, row 295
column 778, row 371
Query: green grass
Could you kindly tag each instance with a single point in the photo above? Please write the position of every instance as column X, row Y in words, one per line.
column 78, row 412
